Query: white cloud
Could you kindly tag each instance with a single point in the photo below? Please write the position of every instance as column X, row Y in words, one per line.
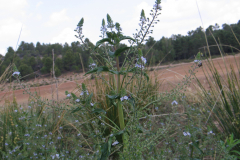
column 179, row 17
column 10, row 29
column 66, row 35
column 39, row 3
column 57, row 18
column 3, row 51
column 12, row 7
column 12, row 4
column 39, row 16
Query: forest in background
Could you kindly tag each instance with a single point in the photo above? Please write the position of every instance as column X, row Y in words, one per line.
column 37, row 58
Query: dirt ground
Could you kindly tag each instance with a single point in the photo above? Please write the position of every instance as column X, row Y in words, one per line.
column 170, row 75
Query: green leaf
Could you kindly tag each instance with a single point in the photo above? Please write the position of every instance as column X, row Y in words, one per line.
column 119, row 133
column 102, row 41
column 80, row 23
column 76, row 109
column 198, row 57
column 120, row 50
column 105, row 150
column 98, row 69
column 74, row 96
column 234, row 151
column 126, row 37
column 66, row 93
column 89, row 99
column 111, row 54
column 98, row 110
column 196, row 144
column 101, row 69
column 113, row 97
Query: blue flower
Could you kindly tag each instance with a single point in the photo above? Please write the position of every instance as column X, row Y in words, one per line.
column 15, row 73
column 174, row 102
column 144, row 60
column 157, row 6
column 115, row 143
column 124, row 98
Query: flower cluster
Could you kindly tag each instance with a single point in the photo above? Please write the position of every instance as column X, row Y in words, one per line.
column 143, row 61
column 186, row 134
column 92, row 65
column 16, row 73
column 124, row 98
column 115, row 143
column 82, row 93
column 103, row 29
column 211, row 132
column 139, row 66
column 157, row 6
column 174, row 102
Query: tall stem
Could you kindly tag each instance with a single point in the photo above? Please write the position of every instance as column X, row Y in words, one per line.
column 120, row 109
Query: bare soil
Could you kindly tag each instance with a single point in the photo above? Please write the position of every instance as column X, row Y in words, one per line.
column 170, row 75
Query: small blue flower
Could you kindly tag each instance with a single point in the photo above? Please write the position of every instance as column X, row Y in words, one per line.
column 115, row 143
column 15, row 73
column 174, row 102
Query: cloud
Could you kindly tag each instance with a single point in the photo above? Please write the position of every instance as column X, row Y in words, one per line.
column 39, row 3
column 9, row 33
column 10, row 29
column 57, row 18
column 39, row 16
column 12, row 7
column 3, row 51
column 12, row 4
column 66, row 35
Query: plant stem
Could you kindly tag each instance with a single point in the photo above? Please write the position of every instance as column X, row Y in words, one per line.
column 120, row 110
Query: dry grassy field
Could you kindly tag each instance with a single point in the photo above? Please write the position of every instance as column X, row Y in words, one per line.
column 169, row 75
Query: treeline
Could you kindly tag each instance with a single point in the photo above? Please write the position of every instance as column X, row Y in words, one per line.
column 30, row 58
column 179, row 47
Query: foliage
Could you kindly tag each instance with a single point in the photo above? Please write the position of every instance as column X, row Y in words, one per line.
column 47, row 64
column 26, row 70
column 57, row 72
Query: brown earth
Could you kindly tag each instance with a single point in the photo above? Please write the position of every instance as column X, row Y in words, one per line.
column 170, row 75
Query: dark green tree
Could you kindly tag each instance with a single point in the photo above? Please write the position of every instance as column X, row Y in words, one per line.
column 69, row 60
column 59, row 63
column 26, row 71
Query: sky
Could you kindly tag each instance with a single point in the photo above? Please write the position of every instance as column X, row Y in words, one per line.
column 51, row 21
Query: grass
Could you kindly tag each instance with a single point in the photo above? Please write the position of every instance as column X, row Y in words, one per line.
column 156, row 128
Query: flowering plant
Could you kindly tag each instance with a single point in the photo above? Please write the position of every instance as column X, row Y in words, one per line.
column 111, row 48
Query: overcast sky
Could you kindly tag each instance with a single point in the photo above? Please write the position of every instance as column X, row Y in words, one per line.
column 51, row 21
